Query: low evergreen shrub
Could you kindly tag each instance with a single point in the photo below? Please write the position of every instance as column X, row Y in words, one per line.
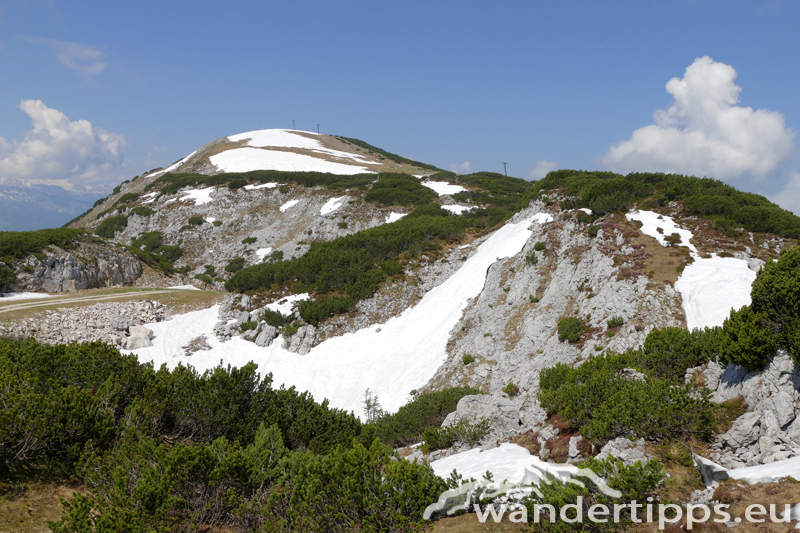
column 235, row 265
column 142, row 211
column 426, row 410
column 569, row 329
column 111, row 226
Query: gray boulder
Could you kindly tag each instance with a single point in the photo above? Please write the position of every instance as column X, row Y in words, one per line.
column 121, row 324
column 502, row 413
column 141, row 331
column 266, row 336
column 628, row 451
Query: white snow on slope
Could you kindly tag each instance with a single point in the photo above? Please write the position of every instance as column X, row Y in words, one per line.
column 332, row 205
column 276, row 138
column 457, row 209
column 508, row 462
column 261, row 253
column 172, row 166
column 709, row 287
column 279, row 138
column 394, row 217
column 542, row 218
column 269, row 185
column 7, row 296
column 284, row 305
column 442, row 187
column 389, row 362
column 652, row 221
column 211, row 220
column 248, row 159
column 200, row 196
column 289, row 205
column 149, row 197
column 184, row 287
column 767, row 473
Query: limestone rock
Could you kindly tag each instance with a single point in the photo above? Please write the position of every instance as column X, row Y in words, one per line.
column 266, row 336
column 628, row 451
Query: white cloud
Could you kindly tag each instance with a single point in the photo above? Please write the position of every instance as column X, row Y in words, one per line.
column 76, row 56
column 789, row 197
column 542, row 168
column 58, row 151
column 705, row 133
column 463, row 168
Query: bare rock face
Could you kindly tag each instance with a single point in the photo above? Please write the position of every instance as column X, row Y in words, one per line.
column 302, row 341
column 770, row 430
column 502, row 413
column 87, row 266
column 628, row 451
column 510, row 330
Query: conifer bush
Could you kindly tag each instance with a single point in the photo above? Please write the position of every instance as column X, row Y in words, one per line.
column 7, row 277
column 407, row 425
column 569, row 329
column 111, row 226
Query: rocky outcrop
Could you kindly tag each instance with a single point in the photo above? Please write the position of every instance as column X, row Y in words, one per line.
column 502, row 413
column 510, row 329
column 770, row 430
column 117, row 323
column 628, row 451
column 86, row 266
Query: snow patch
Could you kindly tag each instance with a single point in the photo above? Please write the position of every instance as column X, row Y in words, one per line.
column 542, row 218
column 652, row 221
column 289, row 205
column 284, row 306
column 149, row 197
column 585, row 210
column 270, row 185
column 25, row 296
column 184, row 287
column 457, row 209
column 261, row 253
column 389, row 363
column 711, row 287
column 211, row 220
column 200, row 196
column 508, row 462
column 442, row 187
column 332, row 205
column 394, row 217
column 172, row 166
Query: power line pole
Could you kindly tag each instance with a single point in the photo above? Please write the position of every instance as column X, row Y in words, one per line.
column 317, row 129
column 505, row 169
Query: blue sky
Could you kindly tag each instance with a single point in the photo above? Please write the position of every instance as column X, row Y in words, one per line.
column 538, row 85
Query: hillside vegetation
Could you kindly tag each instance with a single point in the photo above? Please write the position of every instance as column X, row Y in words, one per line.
column 161, row 450
column 729, row 208
column 350, row 268
column 600, row 401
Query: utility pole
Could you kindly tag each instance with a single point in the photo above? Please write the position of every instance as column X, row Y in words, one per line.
column 293, row 126
column 317, row 129
column 505, row 169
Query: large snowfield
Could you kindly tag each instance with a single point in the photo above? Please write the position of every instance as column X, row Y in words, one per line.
column 709, row 287
column 383, row 358
column 260, row 154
